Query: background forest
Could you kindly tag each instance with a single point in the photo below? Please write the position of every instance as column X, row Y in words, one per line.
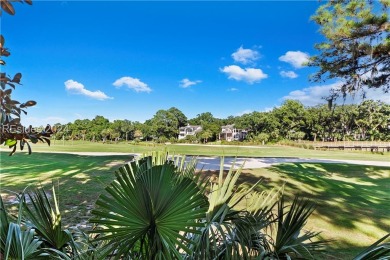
column 369, row 120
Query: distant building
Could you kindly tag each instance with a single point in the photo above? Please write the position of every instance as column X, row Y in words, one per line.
column 230, row 133
column 189, row 130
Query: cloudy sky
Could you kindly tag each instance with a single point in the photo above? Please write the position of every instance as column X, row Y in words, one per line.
column 126, row 60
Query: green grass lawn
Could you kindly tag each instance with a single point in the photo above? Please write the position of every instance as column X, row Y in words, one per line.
column 353, row 200
column 255, row 151
column 80, row 179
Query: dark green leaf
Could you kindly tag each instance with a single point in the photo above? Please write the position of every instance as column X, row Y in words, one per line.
column 29, row 103
column 15, row 121
column 5, row 52
column 47, row 140
column 29, row 148
column 2, row 41
column 17, row 77
column 2, row 117
column 13, row 150
column 7, row 7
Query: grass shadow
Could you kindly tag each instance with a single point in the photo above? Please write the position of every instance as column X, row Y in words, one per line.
column 79, row 179
column 353, row 200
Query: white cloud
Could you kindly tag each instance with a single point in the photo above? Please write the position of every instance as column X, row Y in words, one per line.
column 245, row 56
column 288, row 74
column 377, row 94
column 75, row 87
column 250, row 75
column 232, row 89
column 132, row 83
column 185, row 83
column 297, row 59
column 312, row 96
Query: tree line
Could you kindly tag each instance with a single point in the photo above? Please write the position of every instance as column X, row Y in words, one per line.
column 355, row 50
column 369, row 120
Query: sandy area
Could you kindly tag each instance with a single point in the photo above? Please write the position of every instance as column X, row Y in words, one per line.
column 213, row 163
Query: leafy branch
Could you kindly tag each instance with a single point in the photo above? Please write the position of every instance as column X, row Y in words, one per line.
column 12, row 131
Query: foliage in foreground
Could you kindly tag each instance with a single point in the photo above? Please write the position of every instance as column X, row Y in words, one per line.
column 377, row 250
column 160, row 208
column 12, row 131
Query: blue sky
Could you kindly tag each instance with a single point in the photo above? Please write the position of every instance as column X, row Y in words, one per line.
column 126, row 60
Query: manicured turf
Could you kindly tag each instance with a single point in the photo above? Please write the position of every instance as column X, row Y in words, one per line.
column 80, row 179
column 256, row 151
column 353, row 200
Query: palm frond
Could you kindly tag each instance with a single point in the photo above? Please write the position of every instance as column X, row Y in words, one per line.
column 229, row 232
column 147, row 209
column 21, row 244
column 291, row 239
column 4, row 225
column 377, row 250
column 45, row 218
column 17, row 241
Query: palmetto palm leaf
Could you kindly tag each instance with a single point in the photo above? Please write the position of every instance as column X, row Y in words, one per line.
column 229, row 232
column 17, row 242
column 291, row 240
column 378, row 250
column 21, row 244
column 4, row 225
column 148, row 209
column 46, row 219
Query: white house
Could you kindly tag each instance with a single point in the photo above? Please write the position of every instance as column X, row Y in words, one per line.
column 230, row 133
column 189, row 130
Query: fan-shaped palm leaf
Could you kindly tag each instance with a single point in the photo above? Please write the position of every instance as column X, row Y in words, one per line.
column 148, row 209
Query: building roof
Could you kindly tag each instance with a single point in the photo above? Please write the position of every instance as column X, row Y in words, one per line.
column 190, row 126
column 227, row 126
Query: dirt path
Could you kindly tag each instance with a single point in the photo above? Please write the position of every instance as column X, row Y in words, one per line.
column 213, row 163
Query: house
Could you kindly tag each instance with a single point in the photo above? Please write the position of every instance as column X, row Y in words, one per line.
column 189, row 130
column 230, row 133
